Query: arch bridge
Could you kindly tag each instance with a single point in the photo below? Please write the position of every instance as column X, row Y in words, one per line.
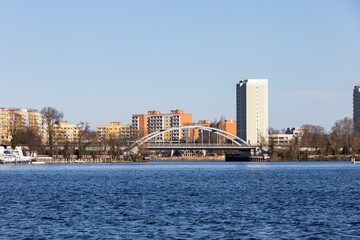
column 191, row 140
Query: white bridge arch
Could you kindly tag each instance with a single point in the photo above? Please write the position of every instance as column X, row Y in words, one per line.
column 234, row 140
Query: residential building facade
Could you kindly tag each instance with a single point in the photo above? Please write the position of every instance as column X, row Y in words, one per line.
column 155, row 120
column 15, row 119
column 252, row 111
column 228, row 125
column 66, row 132
column 194, row 135
column 286, row 139
column 139, row 127
column 113, row 131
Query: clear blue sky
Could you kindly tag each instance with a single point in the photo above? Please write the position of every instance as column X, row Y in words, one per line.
column 102, row 61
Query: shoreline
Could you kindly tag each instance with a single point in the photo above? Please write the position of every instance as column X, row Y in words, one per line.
column 49, row 160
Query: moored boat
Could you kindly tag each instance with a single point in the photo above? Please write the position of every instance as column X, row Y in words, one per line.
column 9, row 155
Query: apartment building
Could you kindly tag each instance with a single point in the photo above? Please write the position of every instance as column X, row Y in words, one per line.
column 115, row 131
column 228, row 125
column 155, row 120
column 281, row 140
column 35, row 119
column 252, row 111
column 15, row 119
column 284, row 140
column 3, row 126
column 64, row 131
column 139, row 127
column 194, row 134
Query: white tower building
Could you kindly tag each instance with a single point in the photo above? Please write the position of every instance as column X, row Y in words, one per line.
column 252, row 111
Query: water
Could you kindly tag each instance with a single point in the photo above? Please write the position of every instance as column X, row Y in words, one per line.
column 180, row 200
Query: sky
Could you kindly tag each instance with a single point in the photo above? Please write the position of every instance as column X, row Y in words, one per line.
column 102, row 61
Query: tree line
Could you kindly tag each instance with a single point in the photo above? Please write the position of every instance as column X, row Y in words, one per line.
column 55, row 144
column 341, row 142
column 314, row 140
column 32, row 137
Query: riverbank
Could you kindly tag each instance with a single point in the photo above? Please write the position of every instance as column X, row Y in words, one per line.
column 49, row 160
column 193, row 158
column 318, row 158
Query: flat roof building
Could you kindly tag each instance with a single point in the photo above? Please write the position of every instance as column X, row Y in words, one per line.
column 252, row 111
column 143, row 124
column 113, row 131
column 64, row 131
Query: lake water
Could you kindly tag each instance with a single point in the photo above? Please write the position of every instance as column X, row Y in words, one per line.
column 181, row 200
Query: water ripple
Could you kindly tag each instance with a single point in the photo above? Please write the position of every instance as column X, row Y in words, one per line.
column 178, row 200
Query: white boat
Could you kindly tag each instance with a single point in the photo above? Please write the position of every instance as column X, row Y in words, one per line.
column 9, row 155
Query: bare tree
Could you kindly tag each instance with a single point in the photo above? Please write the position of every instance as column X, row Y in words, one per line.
column 30, row 137
column 52, row 116
column 15, row 127
column 273, row 131
column 344, row 138
column 114, row 143
column 67, row 150
column 314, row 136
column 341, row 136
column 86, row 137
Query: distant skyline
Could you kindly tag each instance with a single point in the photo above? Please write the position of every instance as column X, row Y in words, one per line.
column 102, row 61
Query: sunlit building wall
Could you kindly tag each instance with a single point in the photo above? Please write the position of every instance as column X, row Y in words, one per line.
column 113, row 131
column 12, row 120
column 66, row 132
column 3, row 136
column 228, row 125
column 194, row 134
column 155, row 120
column 252, row 111
column 35, row 119
column 139, row 126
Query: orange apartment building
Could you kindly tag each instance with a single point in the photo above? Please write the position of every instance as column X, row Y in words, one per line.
column 139, row 126
column 227, row 125
column 143, row 124
column 194, row 134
